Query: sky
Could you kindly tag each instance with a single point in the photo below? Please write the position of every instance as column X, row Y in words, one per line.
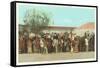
column 60, row 15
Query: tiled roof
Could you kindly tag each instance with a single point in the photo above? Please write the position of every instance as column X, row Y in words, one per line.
column 89, row 25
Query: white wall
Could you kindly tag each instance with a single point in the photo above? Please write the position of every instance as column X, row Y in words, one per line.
column 5, row 34
column 56, row 30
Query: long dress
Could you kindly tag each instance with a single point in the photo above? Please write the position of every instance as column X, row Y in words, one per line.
column 37, row 45
column 21, row 44
column 29, row 46
column 76, row 45
column 86, row 44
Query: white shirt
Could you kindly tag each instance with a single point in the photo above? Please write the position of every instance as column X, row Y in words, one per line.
column 41, row 43
column 86, row 42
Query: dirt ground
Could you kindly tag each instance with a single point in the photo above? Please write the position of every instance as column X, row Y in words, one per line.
column 34, row 57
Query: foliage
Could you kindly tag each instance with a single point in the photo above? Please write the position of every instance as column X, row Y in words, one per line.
column 36, row 21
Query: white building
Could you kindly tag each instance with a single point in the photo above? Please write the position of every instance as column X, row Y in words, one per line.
column 58, row 29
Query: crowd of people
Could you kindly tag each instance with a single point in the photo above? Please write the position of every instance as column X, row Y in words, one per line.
column 55, row 42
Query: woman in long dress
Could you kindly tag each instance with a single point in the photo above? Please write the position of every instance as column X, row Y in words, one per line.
column 21, row 44
column 30, row 45
column 86, row 44
column 76, row 41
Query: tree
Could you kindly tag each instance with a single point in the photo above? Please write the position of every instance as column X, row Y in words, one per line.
column 36, row 20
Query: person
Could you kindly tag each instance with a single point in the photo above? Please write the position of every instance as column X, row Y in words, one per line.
column 65, row 46
column 86, row 44
column 37, row 44
column 91, row 42
column 21, row 44
column 25, row 40
column 30, row 42
column 55, row 45
column 61, row 44
column 45, row 45
column 72, row 43
column 29, row 47
column 41, row 46
column 49, row 45
column 76, row 41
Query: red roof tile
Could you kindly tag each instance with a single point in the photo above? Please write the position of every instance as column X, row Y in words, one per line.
column 89, row 25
